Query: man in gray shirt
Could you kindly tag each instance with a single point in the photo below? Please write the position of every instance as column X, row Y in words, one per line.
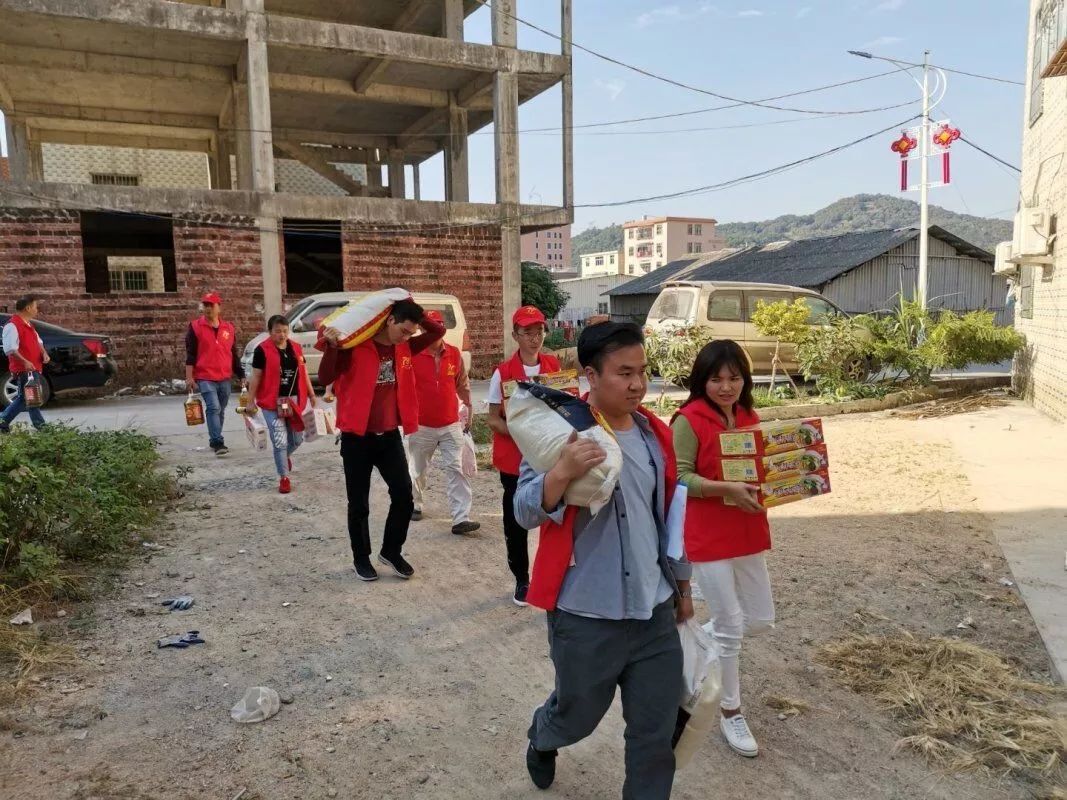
column 612, row 594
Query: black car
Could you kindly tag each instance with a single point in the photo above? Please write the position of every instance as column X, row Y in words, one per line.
column 79, row 361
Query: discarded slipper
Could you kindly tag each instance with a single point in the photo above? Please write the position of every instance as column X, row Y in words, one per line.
column 180, row 640
column 182, row 603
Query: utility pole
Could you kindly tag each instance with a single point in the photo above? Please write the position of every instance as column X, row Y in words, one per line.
column 924, row 187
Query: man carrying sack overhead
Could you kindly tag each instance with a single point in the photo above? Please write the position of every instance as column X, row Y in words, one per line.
column 441, row 383
column 612, row 594
column 211, row 361
column 374, row 382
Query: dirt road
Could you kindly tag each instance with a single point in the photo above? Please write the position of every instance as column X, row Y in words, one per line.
column 424, row 689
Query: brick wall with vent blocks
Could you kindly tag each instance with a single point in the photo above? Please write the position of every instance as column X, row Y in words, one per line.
column 462, row 261
column 75, row 163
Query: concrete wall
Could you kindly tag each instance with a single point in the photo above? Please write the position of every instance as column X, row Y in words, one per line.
column 1041, row 373
column 41, row 253
column 551, row 248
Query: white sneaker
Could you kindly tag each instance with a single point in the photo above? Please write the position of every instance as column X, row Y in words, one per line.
column 737, row 734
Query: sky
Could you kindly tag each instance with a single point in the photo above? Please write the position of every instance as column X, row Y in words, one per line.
column 754, row 49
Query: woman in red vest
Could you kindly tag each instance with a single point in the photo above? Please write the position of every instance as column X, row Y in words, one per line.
column 528, row 331
column 281, row 389
column 25, row 356
column 726, row 530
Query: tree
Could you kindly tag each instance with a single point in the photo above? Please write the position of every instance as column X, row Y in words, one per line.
column 538, row 289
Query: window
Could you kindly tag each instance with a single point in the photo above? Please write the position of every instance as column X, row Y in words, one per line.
column 631, row 270
column 659, row 263
column 611, row 259
column 698, row 247
column 694, row 247
column 644, row 233
column 312, row 256
column 313, row 318
column 631, row 252
column 646, row 266
column 725, row 307
column 818, row 309
column 1050, row 29
column 698, row 230
column 659, row 230
column 602, row 308
column 115, row 245
column 631, row 233
column 1026, row 292
column 599, row 261
column 673, row 304
column 114, row 179
column 659, row 249
column 689, row 230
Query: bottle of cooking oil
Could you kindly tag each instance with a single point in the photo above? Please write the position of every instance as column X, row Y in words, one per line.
column 194, row 410
column 242, row 400
column 32, row 393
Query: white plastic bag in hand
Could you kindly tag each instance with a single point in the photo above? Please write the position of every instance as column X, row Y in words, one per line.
column 698, row 708
column 469, row 456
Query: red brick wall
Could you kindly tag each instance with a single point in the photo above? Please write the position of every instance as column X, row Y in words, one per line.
column 5, row 169
column 463, row 261
column 41, row 253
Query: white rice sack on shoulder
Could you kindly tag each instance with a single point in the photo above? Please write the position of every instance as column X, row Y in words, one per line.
column 541, row 420
column 363, row 318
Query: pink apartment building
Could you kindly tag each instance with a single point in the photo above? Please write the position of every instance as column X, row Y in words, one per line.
column 550, row 248
column 651, row 242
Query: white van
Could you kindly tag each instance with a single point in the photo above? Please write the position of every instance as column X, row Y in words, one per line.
column 306, row 316
column 727, row 308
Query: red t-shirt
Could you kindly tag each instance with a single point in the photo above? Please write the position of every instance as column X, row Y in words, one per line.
column 384, row 411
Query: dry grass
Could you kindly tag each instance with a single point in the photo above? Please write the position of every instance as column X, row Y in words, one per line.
column 963, row 706
column 994, row 398
column 789, row 706
column 25, row 653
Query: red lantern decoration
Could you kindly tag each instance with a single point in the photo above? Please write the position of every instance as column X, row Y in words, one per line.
column 946, row 135
column 904, row 145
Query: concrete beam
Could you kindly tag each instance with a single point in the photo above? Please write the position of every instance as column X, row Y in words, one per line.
column 47, row 58
column 95, row 137
column 120, row 129
column 200, row 21
column 55, row 111
column 381, row 93
column 317, row 162
column 370, row 73
column 424, row 147
column 474, row 90
column 465, row 97
column 407, row 47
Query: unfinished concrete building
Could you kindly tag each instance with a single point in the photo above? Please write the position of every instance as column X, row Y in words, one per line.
column 356, row 95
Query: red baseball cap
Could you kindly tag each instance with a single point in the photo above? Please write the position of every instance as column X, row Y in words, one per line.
column 528, row 315
column 436, row 316
column 212, row 297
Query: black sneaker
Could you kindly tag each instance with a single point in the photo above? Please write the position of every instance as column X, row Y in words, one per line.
column 541, row 766
column 416, row 515
column 364, row 570
column 221, row 450
column 400, row 567
column 464, row 528
column 520, row 595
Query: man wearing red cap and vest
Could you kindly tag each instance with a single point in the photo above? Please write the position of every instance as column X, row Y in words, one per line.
column 211, row 361
column 528, row 330
column 441, row 382
column 376, row 397
column 25, row 355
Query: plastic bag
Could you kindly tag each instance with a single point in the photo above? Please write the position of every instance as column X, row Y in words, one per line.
column 698, row 708
column 541, row 420
column 256, row 431
column 259, row 703
column 316, row 423
column 469, row 456
column 361, row 319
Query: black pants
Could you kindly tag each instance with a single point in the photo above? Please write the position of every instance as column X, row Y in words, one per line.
column 515, row 536
column 361, row 455
column 594, row 656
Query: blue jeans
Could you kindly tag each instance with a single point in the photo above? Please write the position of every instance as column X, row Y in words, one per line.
column 283, row 440
column 18, row 405
column 216, row 395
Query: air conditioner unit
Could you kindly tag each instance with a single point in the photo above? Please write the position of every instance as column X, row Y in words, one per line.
column 1033, row 230
column 1004, row 264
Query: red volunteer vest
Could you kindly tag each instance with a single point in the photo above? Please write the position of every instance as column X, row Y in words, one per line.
column 713, row 530
column 355, row 389
column 506, row 454
column 29, row 347
column 556, row 545
column 435, row 386
column 267, row 394
column 214, row 353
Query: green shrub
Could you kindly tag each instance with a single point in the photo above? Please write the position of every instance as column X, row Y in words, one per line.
column 836, row 354
column 958, row 341
column 67, row 495
column 555, row 340
column 671, row 353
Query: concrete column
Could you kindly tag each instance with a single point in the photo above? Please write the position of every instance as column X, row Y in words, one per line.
column 261, row 145
column 374, row 171
column 457, row 168
column 397, row 190
column 452, row 21
column 506, row 140
column 224, row 149
column 415, row 169
column 242, row 137
column 566, row 31
column 19, row 150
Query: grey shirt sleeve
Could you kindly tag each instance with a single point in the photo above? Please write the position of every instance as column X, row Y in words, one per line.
column 528, row 500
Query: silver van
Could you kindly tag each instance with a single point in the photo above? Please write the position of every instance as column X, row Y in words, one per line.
column 306, row 316
column 727, row 308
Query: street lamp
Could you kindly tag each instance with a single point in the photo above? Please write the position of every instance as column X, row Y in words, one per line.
column 924, row 152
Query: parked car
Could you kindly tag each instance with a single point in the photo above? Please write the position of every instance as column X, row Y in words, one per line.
column 307, row 315
column 79, row 361
column 727, row 308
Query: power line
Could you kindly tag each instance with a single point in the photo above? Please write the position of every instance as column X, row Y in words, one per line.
column 976, row 75
column 982, row 150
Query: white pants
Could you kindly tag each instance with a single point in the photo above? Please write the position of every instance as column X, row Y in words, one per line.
column 421, row 446
column 738, row 594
